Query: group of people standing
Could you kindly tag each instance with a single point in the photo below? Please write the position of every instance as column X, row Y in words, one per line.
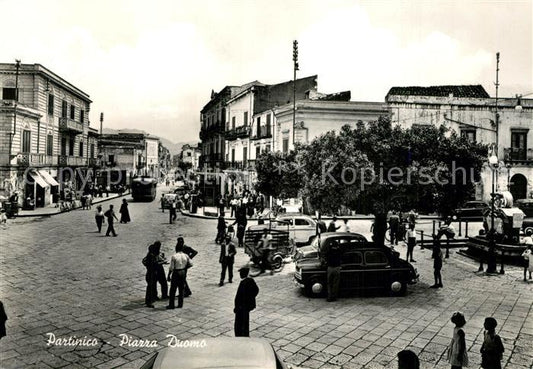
column 252, row 203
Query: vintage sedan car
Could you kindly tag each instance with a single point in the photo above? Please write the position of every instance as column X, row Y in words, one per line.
column 219, row 352
column 471, row 210
column 302, row 228
column 526, row 205
column 311, row 251
column 364, row 266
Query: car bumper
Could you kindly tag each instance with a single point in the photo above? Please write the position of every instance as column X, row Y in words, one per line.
column 298, row 282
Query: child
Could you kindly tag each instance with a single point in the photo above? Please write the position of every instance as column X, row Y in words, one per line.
column 528, row 257
column 492, row 348
column 457, row 355
column 411, row 242
column 437, row 263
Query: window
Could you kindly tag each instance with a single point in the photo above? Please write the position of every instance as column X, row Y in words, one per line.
column 9, row 93
column 301, row 222
column 112, row 159
column 81, row 149
column 376, row 258
column 518, row 145
column 92, row 151
column 245, row 118
column 232, row 155
column 26, row 141
column 64, row 107
column 232, row 122
column 257, row 152
column 71, row 147
column 189, row 153
column 469, row 134
column 72, row 111
column 51, row 104
column 285, row 149
column 244, row 155
column 269, row 117
column 63, row 146
column 82, row 116
column 258, row 121
column 49, row 145
column 352, row 258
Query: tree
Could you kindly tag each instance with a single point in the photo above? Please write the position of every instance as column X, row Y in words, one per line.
column 278, row 175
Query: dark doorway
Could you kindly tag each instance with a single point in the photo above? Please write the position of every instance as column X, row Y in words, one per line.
column 518, row 186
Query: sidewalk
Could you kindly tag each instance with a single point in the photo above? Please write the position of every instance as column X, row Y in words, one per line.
column 54, row 210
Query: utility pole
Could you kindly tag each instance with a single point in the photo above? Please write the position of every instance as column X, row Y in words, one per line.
column 295, row 60
column 497, row 116
column 12, row 134
column 101, row 122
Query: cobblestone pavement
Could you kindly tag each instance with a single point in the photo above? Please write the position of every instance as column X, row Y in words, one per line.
column 59, row 276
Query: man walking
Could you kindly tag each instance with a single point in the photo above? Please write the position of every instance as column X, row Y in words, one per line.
column 177, row 274
column 332, row 226
column 394, row 224
column 320, row 225
column 172, row 212
column 244, row 303
column 227, row 258
column 110, row 215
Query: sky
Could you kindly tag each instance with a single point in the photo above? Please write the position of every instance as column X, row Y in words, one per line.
column 152, row 65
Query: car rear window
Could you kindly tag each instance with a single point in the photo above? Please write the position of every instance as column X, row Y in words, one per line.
column 301, row 222
column 352, row 258
column 376, row 258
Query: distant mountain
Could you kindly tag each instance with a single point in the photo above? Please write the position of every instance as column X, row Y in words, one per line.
column 174, row 148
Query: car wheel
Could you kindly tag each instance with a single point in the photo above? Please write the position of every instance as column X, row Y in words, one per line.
column 277, row 263
column 528, row 231
column 397, row 287
column 315, row 288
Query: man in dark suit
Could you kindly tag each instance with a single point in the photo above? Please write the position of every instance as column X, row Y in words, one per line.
column 227, row 257
column 244, row 303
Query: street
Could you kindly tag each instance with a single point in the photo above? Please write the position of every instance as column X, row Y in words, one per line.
column 60, row 277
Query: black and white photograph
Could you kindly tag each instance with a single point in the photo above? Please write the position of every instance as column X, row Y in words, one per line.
column 267, row 184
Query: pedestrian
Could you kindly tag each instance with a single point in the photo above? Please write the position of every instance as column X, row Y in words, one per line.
column 332, row 226
column 226, row 259
column 492, row 347
column 99, row 217
column 191, row 253
column 320, row 225
column 528, row 258
column 411, row 217
column 394, row 224
column 344, row 226
column 447, row 229
column 177, row 275
column 233, row 204
column 124, row 212
column 407, row 359
column 221, row 230
column 83, row 200
column 241, row 221
column 221, row 206
column 411, row 242
column 162, row 201
column 3, row 319
column 150, row 262
column 332, row 256
column 437, row 263
column 244, row 303
column 457, row 355
column 161, row 277
column 107, row 190
column 110, row 215
column 172, row 212
column 264, row 245
column 89, row 201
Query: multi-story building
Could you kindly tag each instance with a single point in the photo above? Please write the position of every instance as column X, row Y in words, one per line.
column 45, row 141
column 505, row 124
column 191, row 155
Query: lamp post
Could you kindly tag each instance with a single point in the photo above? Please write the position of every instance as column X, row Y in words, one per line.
column 491, row 262
column 295, row 61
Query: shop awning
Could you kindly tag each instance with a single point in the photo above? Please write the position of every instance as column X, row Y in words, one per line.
column 38, row 179
column 48, row 178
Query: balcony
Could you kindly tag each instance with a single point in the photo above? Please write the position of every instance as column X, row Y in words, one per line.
column 34, row 160
column 262, row 132
column 212, row 130
column 93, row 162
column 70, row 125
column 238, row 132
column 518, row 156
column 71, row 161
column 234, row 165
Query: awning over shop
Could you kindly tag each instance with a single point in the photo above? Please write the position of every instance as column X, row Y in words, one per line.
column 48, row 178
column 38, row 179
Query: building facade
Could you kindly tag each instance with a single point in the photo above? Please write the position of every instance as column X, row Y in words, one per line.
column 505, row 124
column 45, row 138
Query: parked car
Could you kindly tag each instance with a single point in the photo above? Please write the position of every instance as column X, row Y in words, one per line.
column 526, row 205
column 364, row 266
column 471, row 210
column 168, row 199
column 302, row 228
column 219, row 352
column 311, row 251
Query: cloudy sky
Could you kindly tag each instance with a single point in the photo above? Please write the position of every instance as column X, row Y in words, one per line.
column 152, row 64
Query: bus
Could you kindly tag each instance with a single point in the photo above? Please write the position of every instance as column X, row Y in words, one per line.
column 144, row 188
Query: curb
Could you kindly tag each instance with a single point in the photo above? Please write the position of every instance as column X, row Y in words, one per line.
column 63, row 212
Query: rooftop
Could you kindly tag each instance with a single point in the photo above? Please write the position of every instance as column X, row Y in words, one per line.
column 476, row 91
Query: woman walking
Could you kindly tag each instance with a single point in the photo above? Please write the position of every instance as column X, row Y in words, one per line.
column 151, row 264
column 99, row 217
column 124, row 212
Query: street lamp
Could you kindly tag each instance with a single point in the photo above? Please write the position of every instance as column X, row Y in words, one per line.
column 491, row 263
